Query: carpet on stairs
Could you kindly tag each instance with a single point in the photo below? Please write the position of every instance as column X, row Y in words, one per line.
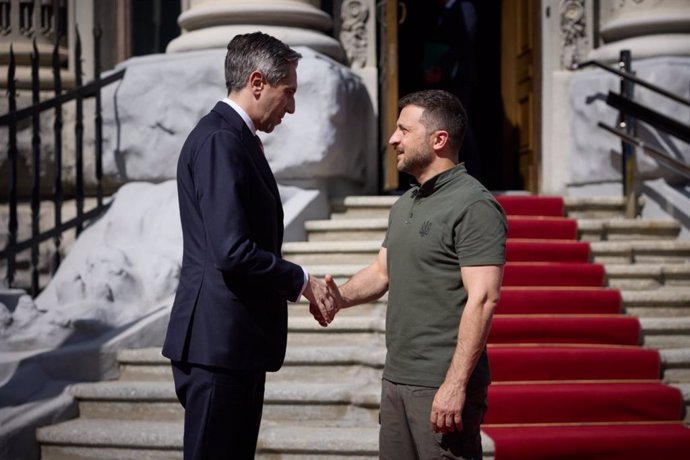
column 588, row 401
column 570, row 379
column 522, row 250
column 584, row 329
column 553, row 274
column 602, row 441
column 536, row 362
column 559, row 300
column 545, row 228
column 532, row 205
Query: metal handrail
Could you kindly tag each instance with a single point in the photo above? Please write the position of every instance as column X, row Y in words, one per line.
column 652, row 117
column 88, row 90
column 665, row 160
column 629, row 112
column 637, row 80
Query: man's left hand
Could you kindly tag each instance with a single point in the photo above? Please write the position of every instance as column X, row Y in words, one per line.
column 446, row 410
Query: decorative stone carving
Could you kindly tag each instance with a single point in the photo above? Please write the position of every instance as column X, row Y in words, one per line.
column 573, row 33
column 353, row 35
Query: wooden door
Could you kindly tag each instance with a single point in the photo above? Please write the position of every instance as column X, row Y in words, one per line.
column 520, row 83
column 389, row 90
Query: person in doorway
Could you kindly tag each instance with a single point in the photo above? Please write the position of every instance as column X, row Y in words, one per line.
column 442, row 264
column 228, row 324
column 449, row 62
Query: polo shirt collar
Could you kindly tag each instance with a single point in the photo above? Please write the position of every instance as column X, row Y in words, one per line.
column 441, row 179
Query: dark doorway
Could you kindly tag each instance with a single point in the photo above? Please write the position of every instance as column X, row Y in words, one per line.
column 456, row 45
column 154, row 25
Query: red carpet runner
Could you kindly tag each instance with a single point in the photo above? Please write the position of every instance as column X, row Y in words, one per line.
column 570, row 379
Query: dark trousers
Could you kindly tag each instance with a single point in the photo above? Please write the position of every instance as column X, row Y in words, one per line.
column 406, row 432
column 222, row 411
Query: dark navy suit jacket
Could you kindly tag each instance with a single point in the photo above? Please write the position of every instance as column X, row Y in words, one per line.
column 230, row 309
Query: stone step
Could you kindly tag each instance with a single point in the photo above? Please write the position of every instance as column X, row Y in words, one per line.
column 379, row 206
column 374, row 309
column 362, row 361
column 606, row 252
column 343, row 328
column 324, row 252
column 685, row 390
column 597, row 207
column 632, row 252
column 666, row 302
column 86, row 438
column 83, row 439
column 627, row 229
column 647, row 276
column 373, row 229
column 341, row 401
column 676, row 365
column 666, row 333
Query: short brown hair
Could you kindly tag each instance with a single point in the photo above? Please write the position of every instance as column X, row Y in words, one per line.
column 442, row 110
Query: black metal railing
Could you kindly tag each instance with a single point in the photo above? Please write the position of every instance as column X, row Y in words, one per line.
column 630, row 112
column 12, row 119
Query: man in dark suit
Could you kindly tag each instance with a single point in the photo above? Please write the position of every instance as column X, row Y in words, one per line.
column 228, row 324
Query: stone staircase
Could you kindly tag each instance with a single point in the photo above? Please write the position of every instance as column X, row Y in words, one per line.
column 323, row 404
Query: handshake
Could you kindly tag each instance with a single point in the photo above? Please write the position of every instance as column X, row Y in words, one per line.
column 324, row 299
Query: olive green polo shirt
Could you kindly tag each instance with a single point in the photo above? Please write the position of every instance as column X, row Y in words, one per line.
column 450, row 221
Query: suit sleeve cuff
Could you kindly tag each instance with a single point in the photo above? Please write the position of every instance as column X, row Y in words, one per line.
column 304, row 285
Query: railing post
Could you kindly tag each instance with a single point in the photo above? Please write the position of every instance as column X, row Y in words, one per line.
column 98, row 120
column 627, row 124
column 12, row 160
column 57, row 136
column 79, row 134
column 36, row 171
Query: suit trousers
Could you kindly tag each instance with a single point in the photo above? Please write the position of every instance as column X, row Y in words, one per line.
column 222, row 411
column 406, row 432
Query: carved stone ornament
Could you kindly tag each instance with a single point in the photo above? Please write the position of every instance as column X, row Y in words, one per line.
column 353, row 33
column 573, row 32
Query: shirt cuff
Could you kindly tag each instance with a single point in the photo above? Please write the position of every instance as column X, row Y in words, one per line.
column 304, row 285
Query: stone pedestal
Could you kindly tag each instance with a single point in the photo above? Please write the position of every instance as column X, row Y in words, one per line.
column 212, row 24
column 326, row 144
column 647, row 28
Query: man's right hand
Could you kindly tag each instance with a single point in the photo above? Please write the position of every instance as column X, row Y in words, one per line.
column 323, row 302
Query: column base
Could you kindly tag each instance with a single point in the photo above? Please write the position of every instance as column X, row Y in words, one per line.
column 646, row 46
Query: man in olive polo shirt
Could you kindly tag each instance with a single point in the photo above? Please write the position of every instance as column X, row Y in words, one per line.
column 442, row 263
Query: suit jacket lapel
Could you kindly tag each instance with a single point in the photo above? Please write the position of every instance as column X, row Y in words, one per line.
column 247, row 138
column 257, row 156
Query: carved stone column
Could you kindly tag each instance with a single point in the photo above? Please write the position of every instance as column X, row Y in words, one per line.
column 356, row 29
column 574, row 36
column 211, row 24
column 647, row 28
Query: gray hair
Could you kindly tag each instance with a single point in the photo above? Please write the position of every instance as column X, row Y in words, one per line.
column 257, row 51
column 442, row 110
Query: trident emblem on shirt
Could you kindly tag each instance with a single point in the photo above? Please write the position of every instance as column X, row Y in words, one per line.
column 425, row 228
